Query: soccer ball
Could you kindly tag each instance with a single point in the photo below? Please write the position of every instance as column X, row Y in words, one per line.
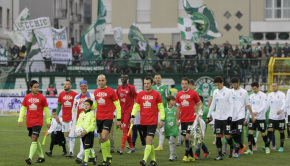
column 78, row 131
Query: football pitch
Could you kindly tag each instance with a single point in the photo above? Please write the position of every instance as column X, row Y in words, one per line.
column 15, row 146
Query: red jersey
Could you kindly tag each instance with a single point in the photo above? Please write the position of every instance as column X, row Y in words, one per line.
column 126, row 95
column 148, row 106
column 34, row 105
column 187, row 101
column 81, row 105
column 67, row 100
column 105, row 106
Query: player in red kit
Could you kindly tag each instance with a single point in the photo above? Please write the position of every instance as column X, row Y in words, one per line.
column 35, row 104
column 126, row 94
column 149, row 102
column 106, row 103
column 186, row 100
column 65, row 102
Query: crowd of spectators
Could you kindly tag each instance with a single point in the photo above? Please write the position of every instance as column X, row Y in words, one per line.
column 246, row 62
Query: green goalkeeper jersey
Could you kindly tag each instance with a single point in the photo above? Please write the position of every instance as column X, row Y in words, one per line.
column 171, row 129
column 164, row 92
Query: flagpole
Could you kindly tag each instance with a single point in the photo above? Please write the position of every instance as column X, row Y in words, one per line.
column 249, row 17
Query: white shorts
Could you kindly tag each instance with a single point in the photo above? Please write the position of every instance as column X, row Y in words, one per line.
column 66, row 126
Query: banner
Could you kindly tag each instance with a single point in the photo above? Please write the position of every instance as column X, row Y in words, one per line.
column 16, row 36
column 42, row 31
column 203, row 20
column 187, row 47
column 93, row 39
column 186, row 27
column 245, row 40
column 59, row 38
column 3, row 56
column 61, row 56
column 118, row 35
column 137, row 38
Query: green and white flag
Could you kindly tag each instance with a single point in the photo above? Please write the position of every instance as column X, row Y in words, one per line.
column 16, row 36
column 137, row 38
column 245, row 40
column 42, row 31
column 118, row 35
column 203, row 20
column 59, row 38
column 186, row 27
column 187, row 47
column 93, row 39
column 3, row 56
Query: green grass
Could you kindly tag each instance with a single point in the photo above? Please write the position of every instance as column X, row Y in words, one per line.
column 15, row 149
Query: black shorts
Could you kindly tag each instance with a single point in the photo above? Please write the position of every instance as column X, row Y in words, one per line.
column 222, row 127
column 259, row 124
column 88, row 140
column 148, row 130
column 237, row 126
column 288, row 121
column 104, row 124
column 47, row 63
column 186, row 128
column 276, row 124
column 57, row 138
column 35, row 130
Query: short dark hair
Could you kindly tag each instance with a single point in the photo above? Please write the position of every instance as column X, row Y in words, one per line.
column 170, row 97
column 89, row 101
column 191, row 81
column 157, row 74
column 185, row 79
column 172, row 86
column 32, row 83
column 201, row 98
column 149, row 78
column 68, row 80
column 256, row 84
column 54, row 110
column 218, row 79
column 235, row 80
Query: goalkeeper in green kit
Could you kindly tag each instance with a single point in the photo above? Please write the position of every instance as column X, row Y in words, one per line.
column 171, row 129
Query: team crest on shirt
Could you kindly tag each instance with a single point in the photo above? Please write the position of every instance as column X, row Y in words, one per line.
column 185, row 96
column 33, row 100
column 102, row 94
column 278, row 97
column 126, row 91
column 121, row 94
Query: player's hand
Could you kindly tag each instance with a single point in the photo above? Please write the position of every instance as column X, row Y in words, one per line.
column 84, row 133
column 279, row 112
column 229, row 120
column 253, row 119
column 118, row 123
column 177, row 123
column 161, row 123
column 132, row 120
column 255, row 113
column 245, row 123
column 208, row 120
column 48, row 126
column 19, row 124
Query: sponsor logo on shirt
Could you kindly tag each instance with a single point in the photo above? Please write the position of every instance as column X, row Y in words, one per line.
column 102, row 94
column 67, row 97
column 67, row 104
column 33, row 100
column 147, row 104
column 185, row 103
column 147, row 97
column 123, row 100
column 33, row 107
column 185, row 96
column 101, row 101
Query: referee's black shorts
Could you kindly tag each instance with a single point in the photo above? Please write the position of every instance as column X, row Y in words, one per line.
column 104, row 124
column 148, row 130
column 35, row 130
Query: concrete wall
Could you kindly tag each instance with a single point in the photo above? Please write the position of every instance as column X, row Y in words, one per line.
column 164, row 13
column 123, row 13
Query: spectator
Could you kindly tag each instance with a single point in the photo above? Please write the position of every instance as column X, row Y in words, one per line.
column 47, row 62
column 51, row 90
column 255, row 68
column 166, row 65
column 178, row 47
column 204, row 67
column 258, row 50
column 195, row 67
column 15, row 52
column 76, row 49
column 163, row 46
column 237, row 51
column 268, row 48
column 278, row 49
column 219, row 66
column 171, row 49
column 264, row 68
column 110, row 54
column 156, row 47
column 176, row 67
column 286, row 50
column 244, row 69
column 187, row 67
column 235, row 70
